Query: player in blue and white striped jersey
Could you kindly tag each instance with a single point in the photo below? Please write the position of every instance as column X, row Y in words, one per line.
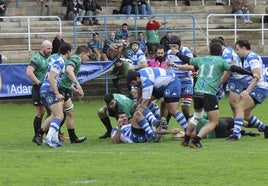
column 183, row 72
column 255, row 93
column 155, row 83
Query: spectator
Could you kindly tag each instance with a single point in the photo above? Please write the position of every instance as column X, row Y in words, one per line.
column 129, row 6
column 219, row 2
column 92, row 8
column 123, row 33
column 95, row 45
column 3, row 8
column 160, row 58
column 242, row 10
column 65, row 3
column 75, row 8
column 45, row 5
column 152, row 35
column 166, row 40
column 57, row 42
column 112, row 47
column 145, row 9
column 143, row 43
column 120, row 71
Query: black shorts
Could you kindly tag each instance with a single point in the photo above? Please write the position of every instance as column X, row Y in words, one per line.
column 67, row 93
column 207, row 101
column 223, row 129
column 36, row 95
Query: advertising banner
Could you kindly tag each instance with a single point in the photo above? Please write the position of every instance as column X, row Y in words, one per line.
column 14, row 81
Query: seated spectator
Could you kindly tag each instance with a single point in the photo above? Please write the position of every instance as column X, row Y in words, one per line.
column 75, row 8
column 265, row 18
column 165, row 41
column 95, row 45
column 123, row 33
column 57, row 42
column 143, row 43
column 65, row 3
column 45, row 5
column 92, row 8
column 3, row 8
column 242, row 10
column 219, row 2
column 145, row 9
column 128, row 7
column 112, row 47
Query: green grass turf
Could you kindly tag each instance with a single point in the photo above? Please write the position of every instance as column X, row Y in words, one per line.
column 99, row 162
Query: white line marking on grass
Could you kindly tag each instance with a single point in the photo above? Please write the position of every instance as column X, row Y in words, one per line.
column 83, row 181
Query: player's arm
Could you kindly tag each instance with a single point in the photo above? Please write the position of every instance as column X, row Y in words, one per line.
column 256, row 74
column 70, row 73
column 116, row 137
column 30, row 73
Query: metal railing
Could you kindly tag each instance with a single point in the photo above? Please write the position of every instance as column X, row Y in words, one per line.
column 108, row 20
column 236, row 27
column 28, row 27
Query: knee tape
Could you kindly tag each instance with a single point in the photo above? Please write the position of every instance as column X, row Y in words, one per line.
column 70, row 107
column 196, row 118
column 186, row 101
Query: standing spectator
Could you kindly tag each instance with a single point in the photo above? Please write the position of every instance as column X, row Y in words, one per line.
column 45, row 5
column 129, row 6
column 152, row 35
column 92, row 8
column 56, row 43
column 255, row 93
column 95, row 45
column 112, row 47
column 160, row 58
column 36, row 71
column 75, row 8
column 3, row 9
column 145, row 9
column 50, row 95
column 166, row 40
column 120, row 71
column 242, row 10
column 143, row 43
column 210, row 70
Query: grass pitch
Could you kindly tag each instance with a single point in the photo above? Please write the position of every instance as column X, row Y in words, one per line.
column 99, row 162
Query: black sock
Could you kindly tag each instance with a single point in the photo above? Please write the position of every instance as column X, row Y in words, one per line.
column 187, row 138
column 37, row 124
column 196, row 139
column 107, row 123
column 40, row 132
column 72, row 134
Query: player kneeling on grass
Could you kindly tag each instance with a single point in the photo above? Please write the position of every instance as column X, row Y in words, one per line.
column 138, row 130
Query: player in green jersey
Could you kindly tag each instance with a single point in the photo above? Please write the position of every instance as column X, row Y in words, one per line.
column 115, row 103
column 210, row 69
column 36, row 71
